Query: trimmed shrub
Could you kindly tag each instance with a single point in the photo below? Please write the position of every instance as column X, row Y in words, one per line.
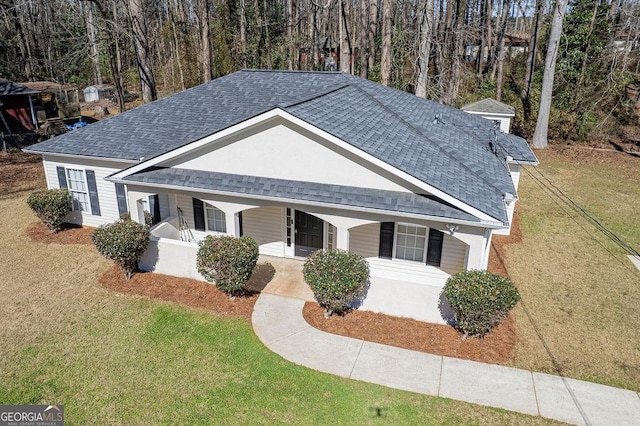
column 480, row 300
column 228, row 262
column 51, row 207
column 124, row 242
column 337, row 278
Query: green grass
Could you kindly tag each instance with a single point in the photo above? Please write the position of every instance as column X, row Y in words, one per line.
column 116, row 359
column 580, row 294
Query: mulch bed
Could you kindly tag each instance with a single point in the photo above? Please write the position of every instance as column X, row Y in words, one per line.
column 70, row 234
column 185, row 291
column 406, row 333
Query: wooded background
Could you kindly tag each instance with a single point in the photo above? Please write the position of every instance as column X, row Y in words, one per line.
column 451, row 51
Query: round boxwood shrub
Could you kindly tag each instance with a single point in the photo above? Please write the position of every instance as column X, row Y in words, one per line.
column 227, row 261
column 480, row 300
column 337, row 278
column 124, row 242
column 51, row 207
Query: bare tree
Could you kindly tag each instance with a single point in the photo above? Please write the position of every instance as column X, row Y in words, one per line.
column 143, row 57
column 542, row 124
column 92, row 33
column 426, row 19
column 385, row 61
column 203, row 17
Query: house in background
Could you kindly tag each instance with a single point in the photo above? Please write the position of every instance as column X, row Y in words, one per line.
column 301, row 161
column 17, row 113
column 54, row 100
column 98, row 92
column 498, row 112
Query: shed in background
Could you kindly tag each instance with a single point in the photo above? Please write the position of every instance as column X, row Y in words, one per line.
column 98, row 92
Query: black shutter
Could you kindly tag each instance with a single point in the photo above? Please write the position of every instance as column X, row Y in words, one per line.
column 62, row 177
column 93, row 192
column 154, row 206
column 434, row 249
column 198, row 214
column 386, row 239
column 240, row 223
column 121, row 196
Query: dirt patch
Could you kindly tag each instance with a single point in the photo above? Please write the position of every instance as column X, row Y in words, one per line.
column 406, row 333
column 70, row 234
column 188, row 292
column 20, row 171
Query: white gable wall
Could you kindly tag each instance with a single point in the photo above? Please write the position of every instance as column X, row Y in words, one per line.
column 285, row 151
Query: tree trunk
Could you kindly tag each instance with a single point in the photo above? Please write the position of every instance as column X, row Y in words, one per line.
column 345, row 44
column 385, row 61
column 92, row 33
column 531, row 54
column 542, row 124
column 243, row 33
column 373, row 29
column 425, row 16
column 145, row 67
column 363, row 43
column 204, row 40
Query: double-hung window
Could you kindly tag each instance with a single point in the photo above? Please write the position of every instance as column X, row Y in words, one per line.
column 216, row 220
column 411, row 242
column 77, row 185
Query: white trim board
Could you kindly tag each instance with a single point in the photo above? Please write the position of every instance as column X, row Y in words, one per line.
column 635, row 260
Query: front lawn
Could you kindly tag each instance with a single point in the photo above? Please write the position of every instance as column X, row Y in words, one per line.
column 580, row 294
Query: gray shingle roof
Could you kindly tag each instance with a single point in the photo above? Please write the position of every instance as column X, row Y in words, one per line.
column 384, row 201
column 9, row 88
column 452, row 153
column 490, row 106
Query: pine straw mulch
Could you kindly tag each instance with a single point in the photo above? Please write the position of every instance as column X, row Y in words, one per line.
column 185, row 291
column 70, row 234
column 495, row 348
column 407, row 333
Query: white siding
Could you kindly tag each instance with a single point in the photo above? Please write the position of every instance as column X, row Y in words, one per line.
column 185, row 203
column 276, row 150
column 106, row 190
column 265, row 225
column 365, row 240
column 454, row 253
column 164, row 206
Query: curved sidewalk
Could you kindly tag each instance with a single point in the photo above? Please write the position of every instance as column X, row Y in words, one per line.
column 279, row 324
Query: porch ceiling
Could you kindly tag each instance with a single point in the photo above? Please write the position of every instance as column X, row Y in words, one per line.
column 298, row 191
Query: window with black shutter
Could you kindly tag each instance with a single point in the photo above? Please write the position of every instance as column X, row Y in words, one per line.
column 198, row 214
column 386, row 239
column 434, row 249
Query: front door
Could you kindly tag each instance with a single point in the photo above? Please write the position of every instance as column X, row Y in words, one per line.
column 309, row 235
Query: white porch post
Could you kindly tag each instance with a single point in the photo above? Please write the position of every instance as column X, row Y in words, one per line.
column 342, row 237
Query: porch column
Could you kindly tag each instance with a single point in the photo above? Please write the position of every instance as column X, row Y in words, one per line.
column 342, row 237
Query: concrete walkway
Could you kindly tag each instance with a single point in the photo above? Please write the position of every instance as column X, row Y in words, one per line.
column 279, row 324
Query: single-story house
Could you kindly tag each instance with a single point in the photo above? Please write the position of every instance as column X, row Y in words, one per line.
column 302, row 161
